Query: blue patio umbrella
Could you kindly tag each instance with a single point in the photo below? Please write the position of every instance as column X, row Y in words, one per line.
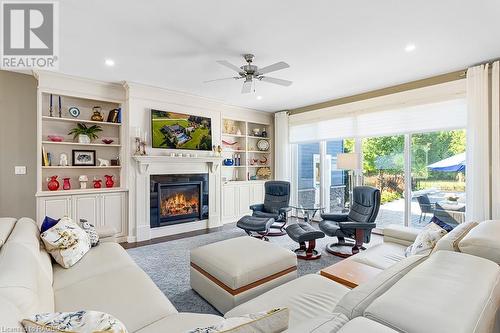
column 454, row 163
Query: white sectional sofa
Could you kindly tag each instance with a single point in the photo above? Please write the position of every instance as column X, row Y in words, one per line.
column 446, row 292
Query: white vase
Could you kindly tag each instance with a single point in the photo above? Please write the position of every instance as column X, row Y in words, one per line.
column 83, row 138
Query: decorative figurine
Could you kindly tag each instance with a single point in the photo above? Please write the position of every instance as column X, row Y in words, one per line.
column 63, row 159
column 264, row 133
column 109, row 181
column 104, row 163
column 83, row 179
column 52, row 183
column 96, row 114
column 66, row 184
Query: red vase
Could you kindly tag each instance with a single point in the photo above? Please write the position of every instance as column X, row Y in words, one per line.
column 53, row 184
column 66, row 184
column 109, row 181
column 97, row 183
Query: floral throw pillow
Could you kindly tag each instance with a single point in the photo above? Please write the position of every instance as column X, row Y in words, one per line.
column 426, row 240
column 77, row 322
column 273, row 321
column 66, row 242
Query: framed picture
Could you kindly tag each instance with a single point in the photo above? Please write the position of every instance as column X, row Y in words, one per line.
column 83, row 157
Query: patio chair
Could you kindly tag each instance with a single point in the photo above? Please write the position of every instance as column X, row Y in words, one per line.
column 426, row 207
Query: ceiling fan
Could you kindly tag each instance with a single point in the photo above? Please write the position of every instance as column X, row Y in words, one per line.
column 251, row 72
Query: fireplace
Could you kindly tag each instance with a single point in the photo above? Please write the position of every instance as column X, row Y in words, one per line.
column 178, row 199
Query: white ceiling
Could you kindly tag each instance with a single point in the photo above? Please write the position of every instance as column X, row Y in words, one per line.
column 335, row 48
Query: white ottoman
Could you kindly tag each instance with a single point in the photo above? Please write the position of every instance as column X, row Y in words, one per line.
column 233, row 271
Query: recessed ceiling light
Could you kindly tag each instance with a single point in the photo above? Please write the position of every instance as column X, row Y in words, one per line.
column 410, row 47
column 109, row 62
column 259, row 97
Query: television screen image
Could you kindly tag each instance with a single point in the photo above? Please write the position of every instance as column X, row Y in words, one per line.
column 173, row 130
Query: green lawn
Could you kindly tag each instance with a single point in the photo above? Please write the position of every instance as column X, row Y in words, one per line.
column 196, row 135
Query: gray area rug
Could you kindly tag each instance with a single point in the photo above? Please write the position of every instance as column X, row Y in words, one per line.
column 168, row 265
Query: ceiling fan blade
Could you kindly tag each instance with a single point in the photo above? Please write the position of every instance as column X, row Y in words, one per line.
column 223, row 79
column 274, row 67
column 229, row 65
column 274, row 80
column 247, row 87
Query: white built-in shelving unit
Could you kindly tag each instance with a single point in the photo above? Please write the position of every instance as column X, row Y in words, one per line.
column 100, row 206
column 240, row 144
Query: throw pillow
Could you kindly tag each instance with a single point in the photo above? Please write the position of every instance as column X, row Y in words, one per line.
column 66, row 242
column 77, row 321
column 426, row 240
column 450, row 241
column 483, row 241
column 91, row 231
column 48, row 223
column 443, row 225
column 272, row 321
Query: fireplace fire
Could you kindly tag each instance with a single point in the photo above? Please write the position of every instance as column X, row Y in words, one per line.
column 179, row 201
column 178, row 198
column 179, row 204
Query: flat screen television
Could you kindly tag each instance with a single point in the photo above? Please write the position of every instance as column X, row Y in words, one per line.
column 171, row 130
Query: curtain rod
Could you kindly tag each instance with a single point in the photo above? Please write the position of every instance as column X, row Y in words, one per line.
column 422, row 83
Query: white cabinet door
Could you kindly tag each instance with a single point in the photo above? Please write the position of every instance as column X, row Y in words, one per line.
column 229, row 200
column 55, row 207
column 257, row 193
column 113, row 212
column 244, row 200
column 86, row 207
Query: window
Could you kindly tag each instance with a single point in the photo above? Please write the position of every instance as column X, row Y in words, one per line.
column 308, row 174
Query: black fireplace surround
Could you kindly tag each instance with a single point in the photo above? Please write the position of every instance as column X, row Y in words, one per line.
column 178, row 199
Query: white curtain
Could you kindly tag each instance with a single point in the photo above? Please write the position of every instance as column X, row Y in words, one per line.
column 282, row 146
column 478, row 144
column 495, row 141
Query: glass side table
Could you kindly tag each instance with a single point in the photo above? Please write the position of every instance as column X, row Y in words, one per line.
column 308, row 213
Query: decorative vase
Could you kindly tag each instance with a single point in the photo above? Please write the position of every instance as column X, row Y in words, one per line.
column 66, row 184
column 53, row 184
column 109, row 181
column 97, row 183
column 83, row 138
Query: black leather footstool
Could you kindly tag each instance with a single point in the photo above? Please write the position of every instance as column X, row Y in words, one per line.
column 302, row 233
column 255, row 226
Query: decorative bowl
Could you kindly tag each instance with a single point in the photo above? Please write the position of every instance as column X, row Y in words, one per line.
column 55, row 138
column 228, row 162
column 108, row 141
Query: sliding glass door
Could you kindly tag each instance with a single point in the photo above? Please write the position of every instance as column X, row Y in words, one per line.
column 438, row 177
column 383, row 168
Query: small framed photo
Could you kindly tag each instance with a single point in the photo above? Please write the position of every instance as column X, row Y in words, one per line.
column 83, row 157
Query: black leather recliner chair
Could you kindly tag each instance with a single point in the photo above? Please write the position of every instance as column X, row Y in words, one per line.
column 357, row 224
column 276, row 205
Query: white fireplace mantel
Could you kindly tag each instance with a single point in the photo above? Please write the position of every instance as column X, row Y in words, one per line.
column 144, row 162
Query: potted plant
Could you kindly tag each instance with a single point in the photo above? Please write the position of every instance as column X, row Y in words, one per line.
column 85, row 134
